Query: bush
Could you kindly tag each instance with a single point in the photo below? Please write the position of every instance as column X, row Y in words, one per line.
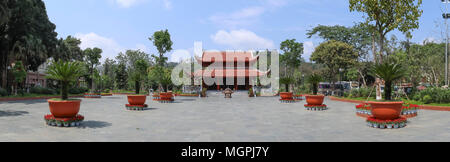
column 3, row 92
column 427, row 99
column 78, row 90
column 433, row 95
column 41, row 90
column 361, row 92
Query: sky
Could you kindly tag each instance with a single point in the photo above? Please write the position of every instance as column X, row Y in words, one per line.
column 118, row 25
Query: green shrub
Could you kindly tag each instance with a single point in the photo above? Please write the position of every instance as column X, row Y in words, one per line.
column 427, row 99
column 78, row 90
column 41, row 90
column 437, row 95
column 3, row 92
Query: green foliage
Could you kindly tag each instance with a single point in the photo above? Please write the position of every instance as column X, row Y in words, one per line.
column 389, row 71
column 383, row 16
column 42, row 90
column 65, row 72
column 292, row 53
column 3, row 92
column 92, row 60
column 163, row 43
column 361, row 92
column 358, row 36
column 78, row 90
column 433, row 95
column 139, row 73
column 335, row 55
column 314, row 80
column 19, row 72
column 121, row 76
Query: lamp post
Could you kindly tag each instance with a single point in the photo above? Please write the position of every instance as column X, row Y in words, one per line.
column 446, row 16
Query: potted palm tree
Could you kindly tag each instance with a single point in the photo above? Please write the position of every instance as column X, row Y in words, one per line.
column 389, row 71
column 314, row 99
column 137, row 76
column 286, row 95
column 65, row 72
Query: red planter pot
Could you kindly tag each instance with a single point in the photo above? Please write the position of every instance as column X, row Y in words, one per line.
column 287, row 96
column 64, row 109
column 386, row 110
column 315, row 99
column 166, row 96
column 137, row 99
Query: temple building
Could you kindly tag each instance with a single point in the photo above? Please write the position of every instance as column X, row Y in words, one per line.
column 229, row 69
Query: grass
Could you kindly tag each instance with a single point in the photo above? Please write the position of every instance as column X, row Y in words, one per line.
column 404, row 100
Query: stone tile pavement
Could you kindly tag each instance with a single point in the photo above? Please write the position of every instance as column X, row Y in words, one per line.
column 213, row 119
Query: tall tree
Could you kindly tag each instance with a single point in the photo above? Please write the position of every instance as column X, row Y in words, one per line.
column 358, row 36
column 28, row 35
column 161, row 40
column 139, row 74
column 293, row 51
column 385, row 16
column 92, row 60
column 121, row 76
column 335, row 55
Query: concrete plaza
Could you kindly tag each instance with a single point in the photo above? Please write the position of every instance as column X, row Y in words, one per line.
column 213, row 119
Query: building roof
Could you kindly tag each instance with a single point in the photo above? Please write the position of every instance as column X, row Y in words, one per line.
column 230, row 73
column 227, row 56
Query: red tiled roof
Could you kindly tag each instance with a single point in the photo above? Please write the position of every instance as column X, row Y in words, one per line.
column 229, row 73
column 226, row 56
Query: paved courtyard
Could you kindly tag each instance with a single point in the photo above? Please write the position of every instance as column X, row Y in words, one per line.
column 213, row 119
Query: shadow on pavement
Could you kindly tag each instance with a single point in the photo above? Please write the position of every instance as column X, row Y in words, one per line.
column 28, row 102
column 12, row 113
column 95, row 124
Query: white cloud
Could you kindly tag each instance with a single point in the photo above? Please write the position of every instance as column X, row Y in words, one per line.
column 168, row 4
column 128, row 3
column 244, row 17
column 242, row 40
column 308, row 49
column 109, row 46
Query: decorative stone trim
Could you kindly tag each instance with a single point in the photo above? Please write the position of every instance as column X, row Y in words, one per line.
column 92, row 96
column 387, row 124
column 316, row 107
column 50, row 120
column 299, row 97
column 136, row 107
column 408, row 111
column 288, row 101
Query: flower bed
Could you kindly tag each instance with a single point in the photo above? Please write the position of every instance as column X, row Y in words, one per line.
column 387, row 124
column 156, row 97
column 316, row 107
column 363, row 110
column 136, row 107
column 107, row 94
column 63, row 122
column 408, row 110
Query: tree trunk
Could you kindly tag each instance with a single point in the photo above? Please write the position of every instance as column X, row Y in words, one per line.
column 64, row 90
column 363, row 78
column 137, row 87
column 388, row 91
column 378, row 82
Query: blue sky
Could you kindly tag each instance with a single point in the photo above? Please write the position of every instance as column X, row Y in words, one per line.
column 118, row 25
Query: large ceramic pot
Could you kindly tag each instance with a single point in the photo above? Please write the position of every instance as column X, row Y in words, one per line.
column 386, row 110
column 64, row 108
column 166, row 96
column 315, row 99
column 137, row 99
column 287, row 95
